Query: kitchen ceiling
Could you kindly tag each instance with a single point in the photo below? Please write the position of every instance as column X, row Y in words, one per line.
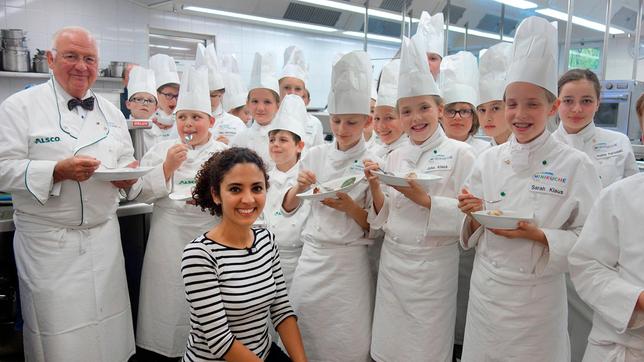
column 483, row 15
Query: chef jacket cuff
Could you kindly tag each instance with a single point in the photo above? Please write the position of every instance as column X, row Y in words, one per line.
column 468, row 238
column 636, row 319
column 444, row 217
column 292, row 212
column 555, row 258
column 377, row 221
column 39, row 180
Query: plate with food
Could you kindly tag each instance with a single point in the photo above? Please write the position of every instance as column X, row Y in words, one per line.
column 501, row 219
column 119, row 174
column 330, row 188
column 401, row 178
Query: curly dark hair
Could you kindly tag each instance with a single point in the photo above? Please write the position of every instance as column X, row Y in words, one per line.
column 212, row 173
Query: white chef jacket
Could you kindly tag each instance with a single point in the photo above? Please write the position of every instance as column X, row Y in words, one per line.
column 163, row 321
column 383, row 150
column 67, row 241
column 154, row 135
column 420, row 244
column 478, row 144
column 226, row 125
column 606, row 266
column 313, row 132
column 255, row 137
column 610, row 151
column 520, row 280
column 287, row 227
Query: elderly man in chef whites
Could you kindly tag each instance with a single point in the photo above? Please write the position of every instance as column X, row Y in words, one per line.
column 53, row 137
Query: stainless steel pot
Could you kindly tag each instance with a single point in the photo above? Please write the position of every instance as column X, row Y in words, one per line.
column 14, row 42
column 12, row 33
column 15, row 60
column 40, row 62
column 116, row 69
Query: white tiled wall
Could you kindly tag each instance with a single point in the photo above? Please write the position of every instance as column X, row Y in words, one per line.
column 121, row 28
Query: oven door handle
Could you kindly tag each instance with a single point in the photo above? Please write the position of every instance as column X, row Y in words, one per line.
column 619, row 97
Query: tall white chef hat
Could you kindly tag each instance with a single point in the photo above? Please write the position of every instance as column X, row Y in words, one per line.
column 415, row 79
column 534, row 54
column 290, row 116
column 165, row 70
column 229, row 64
column 236, row 93
column 207, row 56
column 350, row 84
column 262, row 74
column 294, row 64
column 460, row 78
column 431, row 29
column 388, row 89
column 141, row 80
column 194, row 94
column 493, row 68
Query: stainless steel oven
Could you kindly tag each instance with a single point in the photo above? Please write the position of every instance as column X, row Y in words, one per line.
column 617, row 107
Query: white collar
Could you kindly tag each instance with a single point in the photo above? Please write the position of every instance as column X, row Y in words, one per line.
column 522, row 153
column 60, row 91
column 577, row 140
column 338, row 157
column 414, row 152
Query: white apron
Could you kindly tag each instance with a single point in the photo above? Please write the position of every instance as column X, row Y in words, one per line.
column 163, row 321
column 406, row 303
column 73, row 293
column 332, row 287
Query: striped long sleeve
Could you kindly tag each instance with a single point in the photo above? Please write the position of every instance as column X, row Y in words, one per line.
column 231, row 293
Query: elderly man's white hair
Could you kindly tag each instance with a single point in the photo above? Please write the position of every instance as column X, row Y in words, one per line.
column 72, row 29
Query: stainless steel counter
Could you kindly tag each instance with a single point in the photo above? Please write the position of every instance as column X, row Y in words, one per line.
column 125, row 209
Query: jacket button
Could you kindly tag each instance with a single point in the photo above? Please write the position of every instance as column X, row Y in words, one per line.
column 521, row 270
column 395, row 238
column 317, row 228
column 494, row 263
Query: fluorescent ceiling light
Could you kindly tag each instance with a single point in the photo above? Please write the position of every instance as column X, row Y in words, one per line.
column 521, row 4
column 357, row 9
column 482, row 34
column 579, row 21
column 168, row 47
column 357, row 34
column 260, row 19
column 176, row 38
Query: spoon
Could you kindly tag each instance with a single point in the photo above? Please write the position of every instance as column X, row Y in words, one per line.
column 187, row 138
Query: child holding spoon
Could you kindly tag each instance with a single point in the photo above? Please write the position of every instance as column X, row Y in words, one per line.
column 162, row 304
column 332, row 290
column 517, row 302
column 417, row 280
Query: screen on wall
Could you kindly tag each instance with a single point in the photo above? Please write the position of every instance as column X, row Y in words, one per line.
column 584, row 58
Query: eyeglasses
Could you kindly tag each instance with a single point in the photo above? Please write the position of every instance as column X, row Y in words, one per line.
column 143, row 101
column 464, row 113
column 169, row 96
column 73, row 58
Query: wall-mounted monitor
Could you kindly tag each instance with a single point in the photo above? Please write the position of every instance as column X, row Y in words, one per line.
column 585, row 58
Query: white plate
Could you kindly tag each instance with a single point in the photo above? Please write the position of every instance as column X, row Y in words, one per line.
column 508, row 221
column 119, row 174
column 180, row 196
column 335, row 185
column 400, row 178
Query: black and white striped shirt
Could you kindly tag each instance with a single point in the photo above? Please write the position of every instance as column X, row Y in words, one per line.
column 231, row 292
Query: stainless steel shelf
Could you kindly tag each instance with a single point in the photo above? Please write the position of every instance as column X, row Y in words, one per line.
column 28, row 75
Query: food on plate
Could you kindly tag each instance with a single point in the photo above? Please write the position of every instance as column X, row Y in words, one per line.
column 495, row 213
column 316, row 190
column 411, row 175
column 348, row 182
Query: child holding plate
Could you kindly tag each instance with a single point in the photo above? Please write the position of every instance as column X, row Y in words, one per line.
column 332, row 290
column 163, row 320
column 517, row 304
column 417, row 279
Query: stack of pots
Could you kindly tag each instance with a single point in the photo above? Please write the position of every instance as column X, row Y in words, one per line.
column 15, row 54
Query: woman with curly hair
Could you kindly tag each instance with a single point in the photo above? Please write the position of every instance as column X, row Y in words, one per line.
column 232, row 273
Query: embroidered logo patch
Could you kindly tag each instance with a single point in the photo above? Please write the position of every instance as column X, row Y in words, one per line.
column 40, row 140
column 606, row 150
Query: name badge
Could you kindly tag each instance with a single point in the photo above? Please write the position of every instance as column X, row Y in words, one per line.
column 547, row 182
column 356, row 168
column 439, row 162
column 607, row 150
